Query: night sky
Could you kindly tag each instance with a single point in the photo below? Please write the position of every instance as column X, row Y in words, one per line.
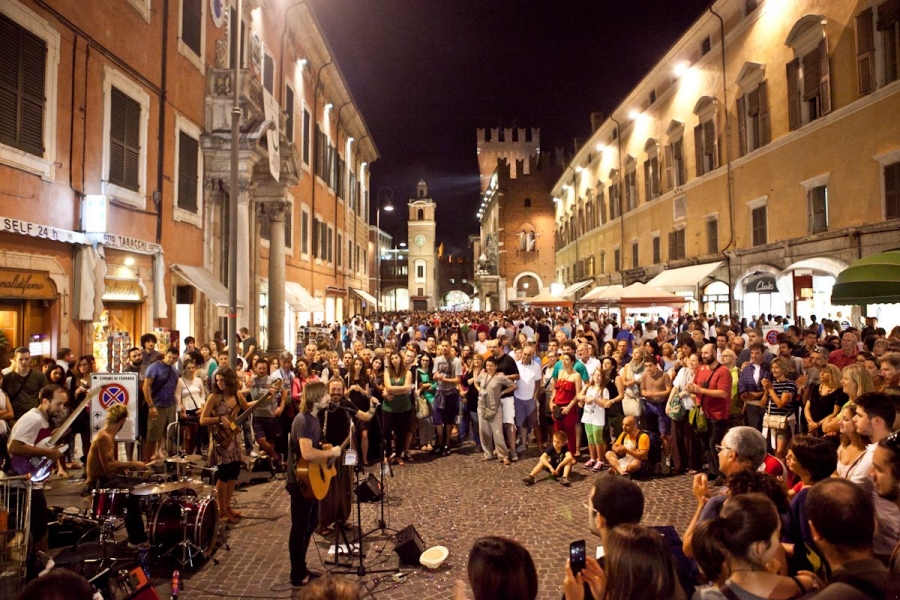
column 426, row 73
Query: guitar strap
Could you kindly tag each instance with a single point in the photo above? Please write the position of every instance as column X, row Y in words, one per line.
column 12, row 397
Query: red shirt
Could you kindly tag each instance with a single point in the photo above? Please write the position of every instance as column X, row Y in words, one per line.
column 715, row 408
column 841, row 360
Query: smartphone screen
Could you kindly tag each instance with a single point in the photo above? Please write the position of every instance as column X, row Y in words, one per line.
column 577, row 556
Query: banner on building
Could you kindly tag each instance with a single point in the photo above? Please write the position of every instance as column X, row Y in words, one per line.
column 273, row 111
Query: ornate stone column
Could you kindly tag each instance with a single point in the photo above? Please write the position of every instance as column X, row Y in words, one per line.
column 276, row 213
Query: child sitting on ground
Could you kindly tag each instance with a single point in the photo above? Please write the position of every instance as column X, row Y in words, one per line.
column 556, row 458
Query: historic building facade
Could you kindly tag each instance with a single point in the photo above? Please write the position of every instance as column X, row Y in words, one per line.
column 757, row 159
column 514, row 254
column 115, row 170
column 423, row 264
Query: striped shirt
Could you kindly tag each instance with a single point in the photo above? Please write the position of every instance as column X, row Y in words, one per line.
column 780, row 388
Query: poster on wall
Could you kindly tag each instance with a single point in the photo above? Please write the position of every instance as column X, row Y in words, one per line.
column 116, row 388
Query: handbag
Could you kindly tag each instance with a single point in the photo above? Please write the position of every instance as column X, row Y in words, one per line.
column 423, row 407
column 776, row 422
column 632, row 405
column 675, row 407
column 558, row 413
column 697, row 418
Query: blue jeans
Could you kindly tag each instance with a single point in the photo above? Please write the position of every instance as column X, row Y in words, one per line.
column 468, row 421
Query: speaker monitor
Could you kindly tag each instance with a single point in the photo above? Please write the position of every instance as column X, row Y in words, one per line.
column 369, row 489
column 409, row 546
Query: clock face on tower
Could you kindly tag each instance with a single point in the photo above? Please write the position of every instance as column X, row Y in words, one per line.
column 419, row 240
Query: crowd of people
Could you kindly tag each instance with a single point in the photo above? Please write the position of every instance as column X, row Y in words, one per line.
column 779, row 440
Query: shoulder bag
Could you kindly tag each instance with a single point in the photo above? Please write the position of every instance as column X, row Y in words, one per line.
column 632, row 405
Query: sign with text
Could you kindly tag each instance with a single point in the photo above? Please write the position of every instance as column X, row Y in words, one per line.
column 117, row 388
column 761, row 285
column 31, row 285
column 46, row 232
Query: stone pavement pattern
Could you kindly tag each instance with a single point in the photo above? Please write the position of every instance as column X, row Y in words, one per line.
column 451, row 502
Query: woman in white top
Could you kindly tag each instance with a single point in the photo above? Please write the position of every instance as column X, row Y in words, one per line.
column 189, row 396
column 853, row 463
column 594, row 417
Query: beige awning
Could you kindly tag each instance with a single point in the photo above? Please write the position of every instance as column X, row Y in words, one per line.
column 684, row 278
column 575, row 287
column 369, row 298
column 300, row 300
column 601, row 294
column 208, row 284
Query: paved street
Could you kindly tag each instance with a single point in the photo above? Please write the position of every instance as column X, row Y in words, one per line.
column 451, row 501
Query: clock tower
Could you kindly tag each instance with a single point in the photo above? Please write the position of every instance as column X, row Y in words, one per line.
column 422, row 248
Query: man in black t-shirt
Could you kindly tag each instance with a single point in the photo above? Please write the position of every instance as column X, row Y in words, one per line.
column 506, row 365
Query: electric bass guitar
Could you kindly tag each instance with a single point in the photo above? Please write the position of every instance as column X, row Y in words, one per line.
column 315, row 477
column 40, row 467
column 222, row 434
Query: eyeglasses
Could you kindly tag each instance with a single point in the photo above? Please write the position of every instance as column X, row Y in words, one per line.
column 720, row 447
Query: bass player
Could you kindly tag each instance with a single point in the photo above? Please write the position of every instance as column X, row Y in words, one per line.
column 29, row 430
column 220, row 409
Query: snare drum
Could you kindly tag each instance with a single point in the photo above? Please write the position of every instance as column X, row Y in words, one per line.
column 202, row 522
column 109, row 503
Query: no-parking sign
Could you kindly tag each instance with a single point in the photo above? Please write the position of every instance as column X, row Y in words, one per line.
column 115, row 388
column 770, row 334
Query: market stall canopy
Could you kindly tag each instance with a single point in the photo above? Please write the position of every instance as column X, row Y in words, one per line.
column 641, row 294
column 300, row 300
column 575, row 287
column 871, row 280
column 547, row 299
column 684, row 277
column 207, row 284
column 601, row 294
column 369, row 298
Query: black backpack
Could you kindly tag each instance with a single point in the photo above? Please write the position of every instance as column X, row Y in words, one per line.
column 654, row 457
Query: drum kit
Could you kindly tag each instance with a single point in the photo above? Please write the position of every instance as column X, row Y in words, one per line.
column 182, row 514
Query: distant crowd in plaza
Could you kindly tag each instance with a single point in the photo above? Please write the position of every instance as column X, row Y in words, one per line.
column 792, row 442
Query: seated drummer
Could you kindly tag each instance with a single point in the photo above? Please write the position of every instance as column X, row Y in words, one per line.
column 104, row 470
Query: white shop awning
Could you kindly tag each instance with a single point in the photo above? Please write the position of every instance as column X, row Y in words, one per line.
column 575, row 287
column 684, row 277
column 206, row 283
column 299, row 299
column 369, row 298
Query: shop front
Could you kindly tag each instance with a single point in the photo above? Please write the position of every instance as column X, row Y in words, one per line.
column 716, row 296
column 687, row 282
column 28, row 302
column 121, row 322
column 807, row 285
column 334, row 304
column 758, row 294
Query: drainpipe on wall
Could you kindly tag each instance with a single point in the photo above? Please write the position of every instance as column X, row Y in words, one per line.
column 619, row 200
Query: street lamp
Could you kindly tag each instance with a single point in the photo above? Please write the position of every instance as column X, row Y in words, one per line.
column 384, row 200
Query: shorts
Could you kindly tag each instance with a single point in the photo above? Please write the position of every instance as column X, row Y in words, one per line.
column 626, row 460
column 663, row 420
column 508, row 404
column 526, row 412
column 156, row 428
column 448, row 414
column 228, row 471
column 266, row 427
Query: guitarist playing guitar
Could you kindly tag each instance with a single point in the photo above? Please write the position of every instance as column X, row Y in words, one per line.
column 26, row 434
column 305, row 445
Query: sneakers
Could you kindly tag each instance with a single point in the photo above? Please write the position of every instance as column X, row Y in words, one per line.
column 528, row 480
column 520, row 449
column 599, row 466
column 590, row 464
column 565, row 482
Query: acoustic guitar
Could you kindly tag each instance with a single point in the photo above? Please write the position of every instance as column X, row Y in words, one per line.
column 223, row 435
column 315, row 477
column 40, row 467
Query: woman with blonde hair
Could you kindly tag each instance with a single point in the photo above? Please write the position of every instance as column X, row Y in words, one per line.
column 781, row 397
column 855, row 381
column 824, row 401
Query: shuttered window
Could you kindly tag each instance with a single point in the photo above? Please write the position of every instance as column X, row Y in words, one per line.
column 191, row 24
column 124, row 140
column 289, row 109
column 306, row 136
column 818, row 209
column 889, row 27
column 269, row 73
column 865, row 51
column 760, row 227
column 657, row 257
column 635, row 255
column 706, row 147
column 676, row 245
column 712, row 236
column 188, row 157
column 753, row 119
column 22, row 64
column 304, row 232
column 631, row 200
column 340, row 245
column 618, row 260
column 892, row 191
column 651, row 177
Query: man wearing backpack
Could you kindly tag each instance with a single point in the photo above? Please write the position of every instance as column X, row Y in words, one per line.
column 630, row 454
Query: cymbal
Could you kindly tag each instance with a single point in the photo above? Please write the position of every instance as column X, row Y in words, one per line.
column 153, row 489
column 190, row 458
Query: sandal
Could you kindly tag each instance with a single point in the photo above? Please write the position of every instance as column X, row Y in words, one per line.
column 405, row 456
column 506, row 462
column 235, row 513
column 227, row 518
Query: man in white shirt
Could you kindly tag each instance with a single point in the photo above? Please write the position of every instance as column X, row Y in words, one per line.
column 480, row 345
column 584, row 352
column 528, row 387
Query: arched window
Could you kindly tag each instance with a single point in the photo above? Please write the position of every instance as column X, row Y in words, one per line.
column 421, row 215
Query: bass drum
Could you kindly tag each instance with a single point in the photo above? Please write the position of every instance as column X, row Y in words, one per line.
column 202, row 523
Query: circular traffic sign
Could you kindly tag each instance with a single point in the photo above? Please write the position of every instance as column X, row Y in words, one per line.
column 111, row 394
column 772, row 337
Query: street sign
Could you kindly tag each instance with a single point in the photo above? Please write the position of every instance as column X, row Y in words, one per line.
column 770, row 333
column 116, row 388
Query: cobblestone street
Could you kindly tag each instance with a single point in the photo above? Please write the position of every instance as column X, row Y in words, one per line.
column 451, row 501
